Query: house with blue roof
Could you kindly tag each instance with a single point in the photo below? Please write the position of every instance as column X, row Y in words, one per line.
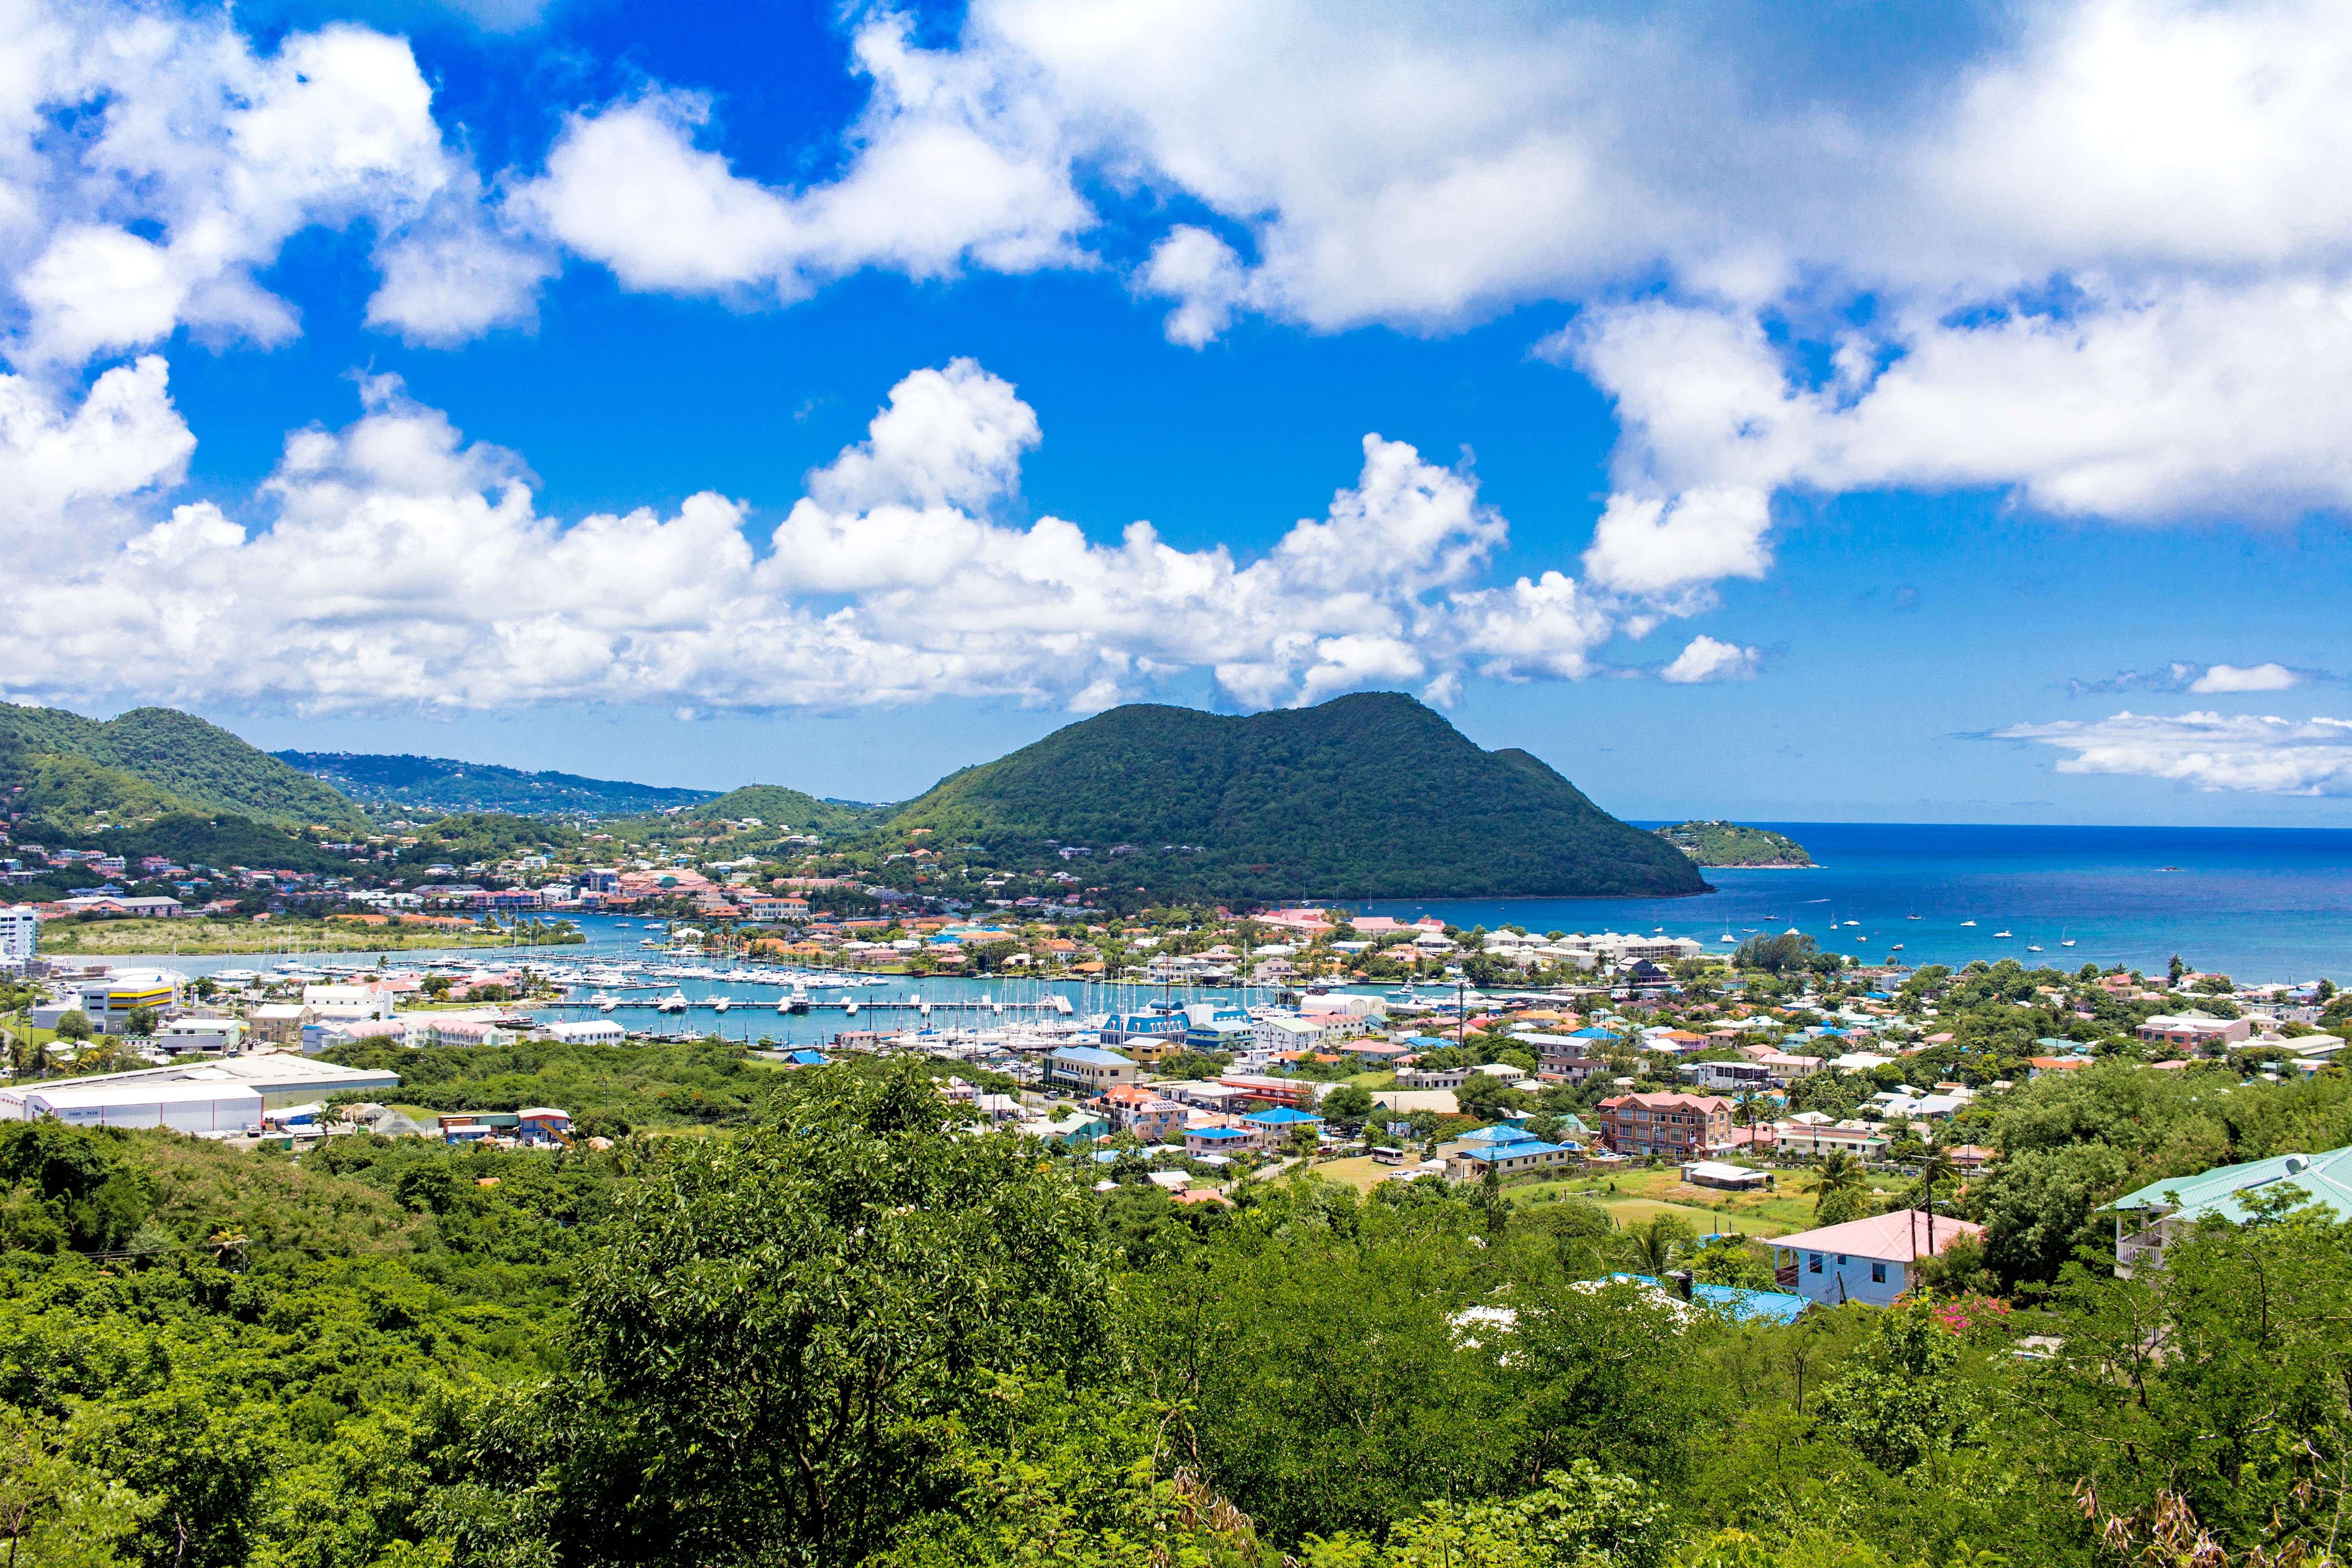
column 805, row 1059
column 2168, row 1209
column 1283, row 1117
column 1089, row 1067
column 1510, row 1157
column 1226, row 1141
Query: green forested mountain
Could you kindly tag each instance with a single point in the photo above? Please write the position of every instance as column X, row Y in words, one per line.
column 156, row 760
column 1729, row 844
column 1370, row 795
column 778, row 808
column 442, row 784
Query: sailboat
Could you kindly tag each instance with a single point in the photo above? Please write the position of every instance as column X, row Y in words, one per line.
column 2034, row 947
column 2063, row 940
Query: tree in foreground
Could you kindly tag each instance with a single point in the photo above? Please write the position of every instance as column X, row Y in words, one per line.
column 778, row 1320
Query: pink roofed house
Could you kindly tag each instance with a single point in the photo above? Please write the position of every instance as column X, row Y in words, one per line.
column 1863, row 1260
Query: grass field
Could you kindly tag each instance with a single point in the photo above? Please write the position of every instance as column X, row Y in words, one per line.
column 1638, row 1194
column 162, row 939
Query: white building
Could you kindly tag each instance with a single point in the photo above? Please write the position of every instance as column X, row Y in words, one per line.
column 1276, row 1033
column 110, row 1001
column 587, row 1032
column 348, row 1003
column 20, row 932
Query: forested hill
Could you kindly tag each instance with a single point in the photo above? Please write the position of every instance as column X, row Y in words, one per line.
column 778, row 808
column 153, row 762
column 442, row 784
column 1371, row 795
column 1729, row 844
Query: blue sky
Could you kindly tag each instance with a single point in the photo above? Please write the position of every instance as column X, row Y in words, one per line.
column 1855, row 412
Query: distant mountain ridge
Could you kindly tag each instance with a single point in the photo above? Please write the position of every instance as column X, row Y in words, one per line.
column 1370, row 795
column 445, row 784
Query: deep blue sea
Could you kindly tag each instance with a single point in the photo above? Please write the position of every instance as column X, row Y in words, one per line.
column 2258, row 904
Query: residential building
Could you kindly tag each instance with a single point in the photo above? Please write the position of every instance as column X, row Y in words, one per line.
column 1810, row 1133
column 1563, row 1058
column 20, row 935
column 1675, row 1125
column 1276, row 1033
column 2167, row 1209
column 1510, row 1151
column 348, row 1003
column 1200, row 1141
column 1786, row 1067
column 1294, row 1092
column 1732, row 1076
column 278, row 1025
column 1089, row 1067
column 1138, row 1109
column 2196, row 1029
column 1871, row 1261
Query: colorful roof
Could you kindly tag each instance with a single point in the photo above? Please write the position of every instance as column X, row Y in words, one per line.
column 1896, row 1237
column 2327, row 1178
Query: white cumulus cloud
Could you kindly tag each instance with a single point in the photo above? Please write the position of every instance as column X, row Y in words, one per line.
column 393, row 562
column 2250, row 677
column 1706, row 659
column 2207, row 750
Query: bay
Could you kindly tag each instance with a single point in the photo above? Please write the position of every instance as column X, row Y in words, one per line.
column 2257, row 904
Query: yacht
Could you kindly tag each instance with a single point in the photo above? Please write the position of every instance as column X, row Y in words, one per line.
column 1897, row 948
column 602, row 1003
column 720, row 1004
column 673, row 1002
column 2000, row 934
column 1968, row 922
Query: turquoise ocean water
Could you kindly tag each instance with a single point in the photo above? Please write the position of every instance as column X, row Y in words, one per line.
column 2258, row 904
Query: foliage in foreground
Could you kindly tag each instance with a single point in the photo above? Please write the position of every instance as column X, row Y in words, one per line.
column 856, row 1333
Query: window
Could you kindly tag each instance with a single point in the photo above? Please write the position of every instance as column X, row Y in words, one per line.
column 1841, row 1260
column 1878, row 1274
column 1812, row 1263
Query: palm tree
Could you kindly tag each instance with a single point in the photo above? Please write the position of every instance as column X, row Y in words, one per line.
column 1654, row 1245
column 1839, row 1173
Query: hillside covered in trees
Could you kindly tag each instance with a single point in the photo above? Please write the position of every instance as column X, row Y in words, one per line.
column 412, row 784
column 840, row 1331
column 153, row 762
column 1371, row 795
column 1730, row 844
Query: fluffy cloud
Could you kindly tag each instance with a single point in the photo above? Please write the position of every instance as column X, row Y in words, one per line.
column 2207, row 750
column 192, row 158
column 1706, row 659
column 2252, row 677
column 945, row 170
column 2203, row 679
column 396, row 561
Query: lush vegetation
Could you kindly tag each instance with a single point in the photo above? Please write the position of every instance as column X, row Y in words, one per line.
column 422, row 785
column 1729, row 844
column 153, row 761
column 848, row 1331
column 486, row 838
column 1369, row 795
column 613, row 1089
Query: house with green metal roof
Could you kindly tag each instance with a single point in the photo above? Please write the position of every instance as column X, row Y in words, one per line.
column 2173, row 1206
